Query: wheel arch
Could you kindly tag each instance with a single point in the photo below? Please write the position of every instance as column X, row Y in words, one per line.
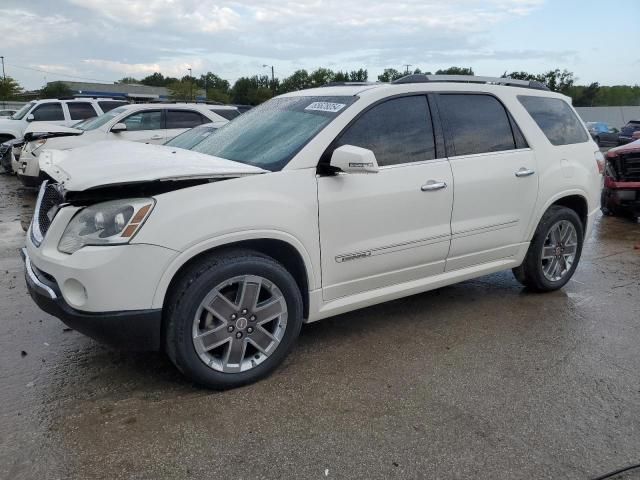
column 293, row 257
column 575, row 200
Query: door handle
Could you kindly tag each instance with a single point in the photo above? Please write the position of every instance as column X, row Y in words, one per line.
column 432, row 185
column 524, row 172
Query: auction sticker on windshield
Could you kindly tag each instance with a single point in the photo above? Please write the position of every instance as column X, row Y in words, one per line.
column 326, row 106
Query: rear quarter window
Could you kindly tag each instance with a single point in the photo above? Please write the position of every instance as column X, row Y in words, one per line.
column 556, row 119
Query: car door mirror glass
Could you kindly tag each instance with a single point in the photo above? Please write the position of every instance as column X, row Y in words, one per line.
column 119, row 127
column 30, row 118
column 352, row 159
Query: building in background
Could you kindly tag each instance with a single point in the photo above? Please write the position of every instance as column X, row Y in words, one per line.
column 127, row 91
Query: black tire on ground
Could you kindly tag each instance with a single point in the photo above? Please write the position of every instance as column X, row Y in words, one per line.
column 5, row 161
column 192, row 287
column 604, row 205
column 530, row 273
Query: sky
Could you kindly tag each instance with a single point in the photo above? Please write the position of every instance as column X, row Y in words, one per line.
column 105, row 40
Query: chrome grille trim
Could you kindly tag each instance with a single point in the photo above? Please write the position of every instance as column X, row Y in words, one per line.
column 36, row 233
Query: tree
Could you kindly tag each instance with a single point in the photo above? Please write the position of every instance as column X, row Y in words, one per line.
column 584, row 96
column 360, row 75
column 321, row 76
column 215, row 95
column 298, row 80
column 251, row 90
column 389, row 75
column 158, row 80
column 9, row 88
column 211, row 81
column 558, row 81
column 182, row 90
column 56, row 90
column 455, row 71
column 128, row 80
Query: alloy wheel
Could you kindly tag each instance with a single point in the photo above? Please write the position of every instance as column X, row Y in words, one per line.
column 559, row 250
column 239, row 324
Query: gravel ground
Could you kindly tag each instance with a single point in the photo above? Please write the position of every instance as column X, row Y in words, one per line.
column 478, row 380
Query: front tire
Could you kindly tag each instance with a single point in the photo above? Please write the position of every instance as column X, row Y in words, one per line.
column 554, row 251
column 232, row 318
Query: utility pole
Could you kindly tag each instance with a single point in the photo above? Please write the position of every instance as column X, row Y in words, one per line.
column 407, row 67
column 190, row 85
column 3, row 75
column 273, row 78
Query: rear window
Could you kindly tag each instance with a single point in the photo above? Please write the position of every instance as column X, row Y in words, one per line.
column 556, row 119
column 227, row 114
column 477, row 124
column 183, row 119
column 108, row 105
column 81, row 110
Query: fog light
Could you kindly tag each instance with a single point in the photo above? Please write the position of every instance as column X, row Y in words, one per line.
column 74, row 292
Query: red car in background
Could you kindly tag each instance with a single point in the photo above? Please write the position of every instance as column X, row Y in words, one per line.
column 621, row 192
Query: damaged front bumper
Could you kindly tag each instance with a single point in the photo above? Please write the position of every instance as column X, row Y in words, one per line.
column 132, row 330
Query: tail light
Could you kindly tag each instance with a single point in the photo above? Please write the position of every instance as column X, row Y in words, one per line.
column 599, row 161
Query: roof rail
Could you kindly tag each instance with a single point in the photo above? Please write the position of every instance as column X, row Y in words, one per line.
column 347, row 84
column 510, row 82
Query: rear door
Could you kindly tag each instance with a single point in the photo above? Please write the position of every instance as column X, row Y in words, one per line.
column 381, row 229
column 494, row 172
column 179, row 121
column 143, row 126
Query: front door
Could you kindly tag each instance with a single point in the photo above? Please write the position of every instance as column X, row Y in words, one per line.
column 381, row 229
column 145, row 126
column 496, row 184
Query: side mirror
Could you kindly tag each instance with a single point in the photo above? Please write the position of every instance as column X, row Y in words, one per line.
column 30, row 118
column 351, row 159
column 119, row 127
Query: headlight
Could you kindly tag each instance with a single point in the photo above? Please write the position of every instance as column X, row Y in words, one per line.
column 36, row 145
column 108, row 223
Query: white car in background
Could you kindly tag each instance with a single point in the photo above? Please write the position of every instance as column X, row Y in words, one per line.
column 7, row 112
column 54, row 111
column 146, row 123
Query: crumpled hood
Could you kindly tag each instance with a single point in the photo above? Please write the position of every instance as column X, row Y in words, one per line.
column 44, row 127
column 628, row 148
column 121, row 162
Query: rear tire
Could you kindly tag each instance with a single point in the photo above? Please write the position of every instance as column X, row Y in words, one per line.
column 217, row 331
column 554, row 251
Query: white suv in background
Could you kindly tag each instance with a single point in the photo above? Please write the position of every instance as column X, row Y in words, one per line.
column 313, row 204
column 147, row 123
column 54, row 111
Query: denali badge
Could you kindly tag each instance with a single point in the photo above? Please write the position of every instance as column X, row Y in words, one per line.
column 352, row 256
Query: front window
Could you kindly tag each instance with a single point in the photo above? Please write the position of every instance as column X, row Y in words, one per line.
column 19, row 115
column 97, row 122
column 270, row 135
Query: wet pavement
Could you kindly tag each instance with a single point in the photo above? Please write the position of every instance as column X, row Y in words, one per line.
column 476, row 380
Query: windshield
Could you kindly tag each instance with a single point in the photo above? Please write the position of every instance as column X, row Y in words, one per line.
column 22, row 112
column 97, row 122
column 191, row 138
column 269, row 135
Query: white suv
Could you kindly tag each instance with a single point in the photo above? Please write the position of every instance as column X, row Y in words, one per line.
column 313, row 204
column 148, row 123
column 56, row 111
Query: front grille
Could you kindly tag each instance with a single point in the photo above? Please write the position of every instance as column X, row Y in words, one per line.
column 629, row 167
column 49, row 198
